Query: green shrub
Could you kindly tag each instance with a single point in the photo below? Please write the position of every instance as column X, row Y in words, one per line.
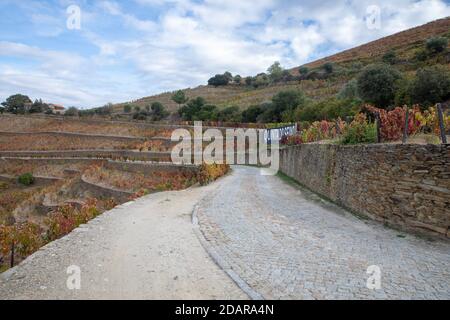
column 378, row 83
column 303, row 70
column 390, row 57
column 127, row 108
column 179, row 97
column 251, row 114
column 421, row 55
column 349, row 91
column 71, row 112
column 158, row 111
column 431, row 85
column 219, row 80
column 26, row 179
column 437, row 44
column 328, row 67
column 360, row 133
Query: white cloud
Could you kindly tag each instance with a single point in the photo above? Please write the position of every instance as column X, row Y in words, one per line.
column 167, row 45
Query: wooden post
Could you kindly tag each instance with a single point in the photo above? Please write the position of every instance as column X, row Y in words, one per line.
column 12, row 255
column 338, row 128
column 378, row 124
column 441, row 123
column 405, row 130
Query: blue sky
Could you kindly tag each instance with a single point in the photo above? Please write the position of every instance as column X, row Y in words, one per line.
column 125, row 50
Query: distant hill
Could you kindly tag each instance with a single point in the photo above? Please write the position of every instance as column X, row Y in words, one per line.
column 347, row 64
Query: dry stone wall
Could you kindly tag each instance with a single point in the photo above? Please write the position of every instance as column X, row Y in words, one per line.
column 404, row 186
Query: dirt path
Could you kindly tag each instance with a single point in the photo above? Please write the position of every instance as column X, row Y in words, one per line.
column 147, row 249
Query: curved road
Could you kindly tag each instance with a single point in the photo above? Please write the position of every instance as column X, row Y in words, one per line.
column 286, row 243
column 275, row 240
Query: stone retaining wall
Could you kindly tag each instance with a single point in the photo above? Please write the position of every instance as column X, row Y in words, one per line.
column 404, row 186
column 144, row 168
column 106, row 154
column 102, row 192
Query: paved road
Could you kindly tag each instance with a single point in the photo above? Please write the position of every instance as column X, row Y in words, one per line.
column 273, row 239
column 148, row 249
column 286, row 243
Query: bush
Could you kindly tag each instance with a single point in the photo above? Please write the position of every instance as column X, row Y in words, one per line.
column 158, row 111
column 349, row 91
column 229, row 114
column 71, row 112
column 359, row 131
column 140, row 115
column 390, row 57
column 219, row 80
column 328, row 67
column 378, row 84
column 197, row 109
column 26, row 179
column 275, row 72
column 261, row 80
column 210, row 172
column 127, row 108
column 303, row 70
column 328, row 109
column 251, row 114
column 431, row 85
column 285, row 102
column 179, row 97
column 437, row 44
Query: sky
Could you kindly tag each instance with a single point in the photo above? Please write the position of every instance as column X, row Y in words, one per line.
column 87, row 53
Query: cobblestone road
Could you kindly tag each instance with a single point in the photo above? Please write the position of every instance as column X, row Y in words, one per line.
column 286, row 243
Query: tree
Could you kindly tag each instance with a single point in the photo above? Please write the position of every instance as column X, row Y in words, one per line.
column 303, row 70
column 140, row 115
column 251, row 114
column 179, row 97
column 158, row 111
column 127, row 108
column 431, row 85
column 237, row 79
column 390, row 57
column 378, row 84
column 229, row 114
column 16, row 103
column 2, row 110
column 260, row 80
column 283, row 105
column 349, row 91
column 436, row 44
column 229, row 76
column 275, row 71
column 328, row 67
column 38, row 106
column 147, row 108
column 105, row 110
column 137, row 108
column 71, row 112
column 218, row 80
column 192, row 108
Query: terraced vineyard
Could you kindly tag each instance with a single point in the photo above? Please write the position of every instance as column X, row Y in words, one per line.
column 79, row 168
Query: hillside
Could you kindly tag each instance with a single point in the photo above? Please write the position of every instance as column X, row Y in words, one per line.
column 348, row 63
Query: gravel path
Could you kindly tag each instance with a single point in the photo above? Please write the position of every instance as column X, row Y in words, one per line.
column 286, row 243
column 144, row 250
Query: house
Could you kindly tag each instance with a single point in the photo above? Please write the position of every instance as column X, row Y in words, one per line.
column 56, row 108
